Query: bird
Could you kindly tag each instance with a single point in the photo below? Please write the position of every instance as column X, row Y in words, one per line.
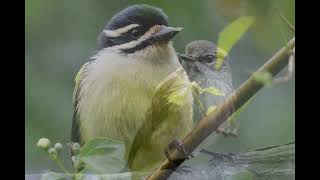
column 117, row 91
column 199, row 62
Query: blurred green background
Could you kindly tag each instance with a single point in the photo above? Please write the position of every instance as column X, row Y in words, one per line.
column 61, row 35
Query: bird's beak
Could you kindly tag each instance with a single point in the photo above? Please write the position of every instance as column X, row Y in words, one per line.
column 166, row 33
column 185, row 57
column 163, row 34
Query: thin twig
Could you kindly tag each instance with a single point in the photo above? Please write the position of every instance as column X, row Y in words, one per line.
column 60, row 164
column 290, row 70
column 291, row 27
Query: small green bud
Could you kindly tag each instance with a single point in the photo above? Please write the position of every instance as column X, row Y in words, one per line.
column 74, row 159
column 43, row 143
column 52, row 152
column 263, row 77
column 58, row 146
column 76, row 148
column 77, row 164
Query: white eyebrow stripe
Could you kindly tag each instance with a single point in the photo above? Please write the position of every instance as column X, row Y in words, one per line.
column 134, row 42
column 118, row 32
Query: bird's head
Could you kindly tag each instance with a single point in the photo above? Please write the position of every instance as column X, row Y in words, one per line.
column 200, row 56
column 137, row 29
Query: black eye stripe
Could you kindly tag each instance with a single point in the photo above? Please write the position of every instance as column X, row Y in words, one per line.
column 126, row 37
column 140, row 46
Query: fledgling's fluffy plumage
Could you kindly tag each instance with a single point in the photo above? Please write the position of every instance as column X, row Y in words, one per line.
column 116, row 88
column 199, row 63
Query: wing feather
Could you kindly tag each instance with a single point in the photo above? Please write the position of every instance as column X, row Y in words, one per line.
column 75, row 131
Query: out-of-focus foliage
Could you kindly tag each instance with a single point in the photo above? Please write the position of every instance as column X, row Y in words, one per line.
column 61, row 35
column 210, row 109
column 230, row 35
column 103, row 155
column 174, row 88
column 212, row 90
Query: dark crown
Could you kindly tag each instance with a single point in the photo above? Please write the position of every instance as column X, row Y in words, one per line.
column 144, row 15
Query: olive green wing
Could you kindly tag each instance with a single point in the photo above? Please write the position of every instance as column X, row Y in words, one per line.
column 75, row 131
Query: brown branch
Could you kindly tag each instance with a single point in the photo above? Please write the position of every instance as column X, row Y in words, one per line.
column 210, row 123
column 290, row 70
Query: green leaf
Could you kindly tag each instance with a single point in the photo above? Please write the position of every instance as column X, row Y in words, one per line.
column 55, row 176
column 211, row 109
column 263, row 77
column 196, row 89
column 113, row 176
column 243, row 175
column 179, row 96
column 174, row 88
column 103, row 155
column 230, row 35
column 213, row 91
column 117, row 176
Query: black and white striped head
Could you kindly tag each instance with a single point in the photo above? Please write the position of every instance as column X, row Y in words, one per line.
column 136, row 28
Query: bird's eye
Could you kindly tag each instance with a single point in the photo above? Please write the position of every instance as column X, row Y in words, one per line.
column 208, row 58
column 135, row 33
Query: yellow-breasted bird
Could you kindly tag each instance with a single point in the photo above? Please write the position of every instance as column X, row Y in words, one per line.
column 120, row 90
